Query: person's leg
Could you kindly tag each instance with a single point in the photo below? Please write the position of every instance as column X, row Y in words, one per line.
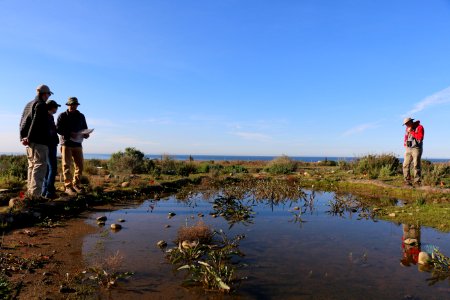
column 417, row 163
column 79, row 161
column 40, row 155
column 406, row 165
column 52, row 170
column 30, row 168
column 46, row 178
column 66, row 155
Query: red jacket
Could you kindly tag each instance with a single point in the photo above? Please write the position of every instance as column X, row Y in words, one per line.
column 416, row 132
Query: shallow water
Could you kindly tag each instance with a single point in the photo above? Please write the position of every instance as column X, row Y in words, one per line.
column 324, row 257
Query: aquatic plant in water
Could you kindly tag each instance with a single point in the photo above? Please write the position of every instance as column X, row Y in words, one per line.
column 233, row 210
column 208, row 265
column 441, row 267
column 106, row 273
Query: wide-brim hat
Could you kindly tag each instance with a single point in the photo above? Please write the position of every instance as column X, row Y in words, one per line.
column 44, row 89
column 72, row 101
column 52, row 103
column 406, row 120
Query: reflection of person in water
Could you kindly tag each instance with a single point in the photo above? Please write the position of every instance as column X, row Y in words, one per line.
column 410, row 244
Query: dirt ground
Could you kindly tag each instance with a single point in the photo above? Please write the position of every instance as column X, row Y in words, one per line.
column 58, row 251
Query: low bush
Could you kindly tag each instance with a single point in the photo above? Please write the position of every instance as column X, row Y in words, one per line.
column 131, row 161
column 433, row 174
column 235, row 169
column 281, row 165
column 185, row 168
column 199, row 232
column 372, row 164
column 168, row 165
column 327, row 163
column 14, row 165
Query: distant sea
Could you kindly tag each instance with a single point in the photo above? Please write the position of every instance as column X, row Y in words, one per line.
column 238, row 157
column 250, row 157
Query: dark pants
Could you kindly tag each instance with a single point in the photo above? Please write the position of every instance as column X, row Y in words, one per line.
column 48, row 189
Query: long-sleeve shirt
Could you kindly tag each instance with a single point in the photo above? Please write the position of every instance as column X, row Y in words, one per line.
column 34, row 122
column 416, row 134
column 68, row 123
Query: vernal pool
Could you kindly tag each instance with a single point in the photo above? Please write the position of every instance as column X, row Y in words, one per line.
column 308, row 253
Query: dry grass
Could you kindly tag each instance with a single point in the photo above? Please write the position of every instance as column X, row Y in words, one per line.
column 198, row 232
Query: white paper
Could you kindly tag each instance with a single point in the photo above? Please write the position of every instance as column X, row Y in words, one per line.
column 79, row 136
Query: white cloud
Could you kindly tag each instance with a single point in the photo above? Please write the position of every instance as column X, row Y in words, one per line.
column 361, row 128
column 253, row 136
column 440, row 97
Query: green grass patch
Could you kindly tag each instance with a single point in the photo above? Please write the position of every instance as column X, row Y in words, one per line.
column 430, row 215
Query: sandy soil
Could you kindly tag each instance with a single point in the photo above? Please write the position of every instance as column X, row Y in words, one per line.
column 59, row 248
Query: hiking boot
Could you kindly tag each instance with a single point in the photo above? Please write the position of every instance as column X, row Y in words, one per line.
column 418, row 184
column 70, row 191
column 51, row 196
column 78, row 189
column 407, row 183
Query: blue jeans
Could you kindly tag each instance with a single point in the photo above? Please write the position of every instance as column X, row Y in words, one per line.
column 48, row 188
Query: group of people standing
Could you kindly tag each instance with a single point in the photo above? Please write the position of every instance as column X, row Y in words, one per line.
column 39, row 133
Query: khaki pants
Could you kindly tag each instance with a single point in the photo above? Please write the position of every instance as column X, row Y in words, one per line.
column 37, row 168
column 412, row 155
column 72, row 155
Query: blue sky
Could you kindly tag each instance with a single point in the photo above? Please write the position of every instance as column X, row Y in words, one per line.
column 306, row 78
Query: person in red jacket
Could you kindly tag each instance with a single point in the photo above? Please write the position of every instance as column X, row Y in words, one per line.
column 413, row 143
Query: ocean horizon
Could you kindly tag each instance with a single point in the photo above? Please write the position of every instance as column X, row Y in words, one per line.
column 218, row 157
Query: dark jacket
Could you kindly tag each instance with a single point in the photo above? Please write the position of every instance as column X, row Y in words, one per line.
column 34, row 122
column 54, row 140
column 68, row 123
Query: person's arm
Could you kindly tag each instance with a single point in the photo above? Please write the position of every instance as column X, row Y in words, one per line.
column 418, row 133
column 61, row 127
column 84, row 125
column 25, row 125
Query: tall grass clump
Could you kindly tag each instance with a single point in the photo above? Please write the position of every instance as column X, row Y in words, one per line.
column 169, row 166
column 281, row 165
column 377, row 164
column 14, row 165
column 433, row 174
column 13, row 171
column 131, row 161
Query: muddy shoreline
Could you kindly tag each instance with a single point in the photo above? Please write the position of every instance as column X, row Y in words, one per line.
column 59, row 249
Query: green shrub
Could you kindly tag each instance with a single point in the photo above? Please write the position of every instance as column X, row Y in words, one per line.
column 345, row 165
column 372, row 164
column 235, row 169
column 385, row 172
column 131, row 161
column 184, row 169
column 203, row 168
column 168, row 165
column 433, row 174
column 14, row 165
column 327, row 163
column 92, row 166
column 281, row 165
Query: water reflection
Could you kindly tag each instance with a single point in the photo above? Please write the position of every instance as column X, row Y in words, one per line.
column 327, row 257
column 410, row 244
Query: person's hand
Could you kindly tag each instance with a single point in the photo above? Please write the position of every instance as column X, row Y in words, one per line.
column 86, row 136
column 25, row 142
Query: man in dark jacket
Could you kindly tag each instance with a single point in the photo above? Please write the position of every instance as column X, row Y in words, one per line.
column 34, row 134
column 48, row 189
column 69, row 125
